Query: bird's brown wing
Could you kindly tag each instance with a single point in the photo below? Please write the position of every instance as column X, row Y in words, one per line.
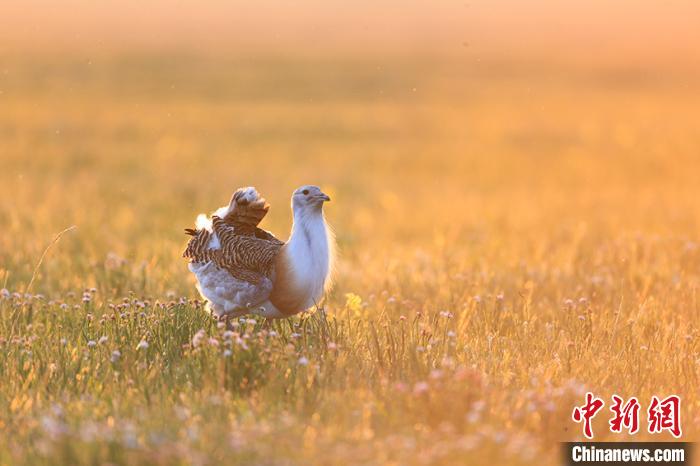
column 197, row 249
column 249, row 253
column 266, row 235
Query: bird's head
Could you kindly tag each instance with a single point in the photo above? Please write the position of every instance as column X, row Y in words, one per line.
column 309, row 198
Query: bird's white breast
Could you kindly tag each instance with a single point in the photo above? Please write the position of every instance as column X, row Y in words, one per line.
column 309, row 253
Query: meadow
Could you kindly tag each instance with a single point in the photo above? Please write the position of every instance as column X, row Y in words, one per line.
column 511, row 235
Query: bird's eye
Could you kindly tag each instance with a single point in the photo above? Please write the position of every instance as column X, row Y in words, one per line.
column 306, row 192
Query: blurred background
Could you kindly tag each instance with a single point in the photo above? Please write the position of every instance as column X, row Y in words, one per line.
column 498, row 125
column 515, row 197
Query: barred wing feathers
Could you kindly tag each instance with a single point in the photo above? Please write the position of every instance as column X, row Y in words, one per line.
column 234, row 242
column 250, row 253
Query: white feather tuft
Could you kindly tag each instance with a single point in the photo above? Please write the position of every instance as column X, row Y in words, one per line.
column 203, row 222
column 250, row 194
column 222, row 211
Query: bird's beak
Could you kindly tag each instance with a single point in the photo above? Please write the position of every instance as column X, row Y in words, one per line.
column 324, row 197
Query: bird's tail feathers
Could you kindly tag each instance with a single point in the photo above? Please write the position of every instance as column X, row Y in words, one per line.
column 247, row 207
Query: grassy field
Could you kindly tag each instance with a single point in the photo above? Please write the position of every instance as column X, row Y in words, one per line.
column 511, row 235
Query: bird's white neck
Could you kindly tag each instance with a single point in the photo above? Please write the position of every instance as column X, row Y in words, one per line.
column 309, row 254
column 312, row 244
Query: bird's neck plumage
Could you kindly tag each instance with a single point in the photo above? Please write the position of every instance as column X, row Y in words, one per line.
column 310, row 247
column 306, row 262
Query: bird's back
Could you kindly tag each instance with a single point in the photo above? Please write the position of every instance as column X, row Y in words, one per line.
column 245, row 252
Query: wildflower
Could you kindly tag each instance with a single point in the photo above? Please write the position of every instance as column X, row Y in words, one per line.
column 451, row 334
column 198, row 338
column 91, row 343
column 63, row 341
column 103, row 339
column 420, row 387
column 227, row 353
column 143, row 344
column 332, row 346
column 115, row 356
column 303, row 361
column 228, row 334
column 53, row 427
column 213, row 342
column 64, row 306
column 113, row 261
column 4, row 293
column 468, row 442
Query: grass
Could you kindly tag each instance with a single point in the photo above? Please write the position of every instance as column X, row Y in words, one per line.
column 511, row 236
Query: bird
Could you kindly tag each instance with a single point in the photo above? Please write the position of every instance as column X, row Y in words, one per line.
column 242, row 269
